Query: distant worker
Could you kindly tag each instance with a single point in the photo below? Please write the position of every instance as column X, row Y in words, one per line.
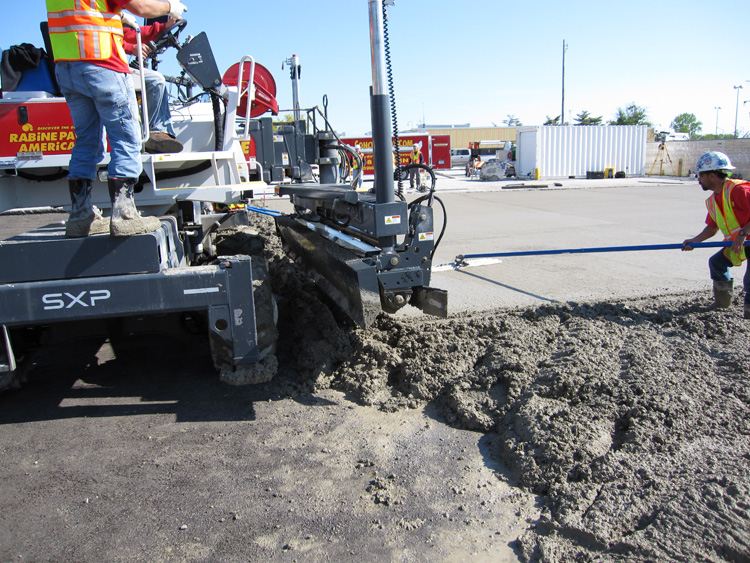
column 416, row 158
column 473, row 166
column 356, row 169
column 728, row 212
column 161, row 132
column 93, row 74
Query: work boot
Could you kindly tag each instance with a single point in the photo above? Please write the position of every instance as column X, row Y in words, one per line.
column 126, row 220
column 85, row 219
column 747, row 310
column 723, row 293
column 161, row 143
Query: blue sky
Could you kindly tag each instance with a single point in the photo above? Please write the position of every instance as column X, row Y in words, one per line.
column 479, row 61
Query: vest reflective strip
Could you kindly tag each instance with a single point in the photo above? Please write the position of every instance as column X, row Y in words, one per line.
column 725, row 218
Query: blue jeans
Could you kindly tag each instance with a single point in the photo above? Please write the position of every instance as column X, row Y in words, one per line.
column 357, row 178
column 719, row 266
column 157, row 99
column 101, row 99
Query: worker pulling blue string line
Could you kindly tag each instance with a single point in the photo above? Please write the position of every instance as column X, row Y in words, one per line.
column 728, row 209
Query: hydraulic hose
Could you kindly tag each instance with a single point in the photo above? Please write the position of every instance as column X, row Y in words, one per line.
column 218, row 120
column 432, row 197
column 392, row 95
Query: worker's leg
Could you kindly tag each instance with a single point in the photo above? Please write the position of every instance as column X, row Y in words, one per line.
column 746, row 282
column 118, row 110
column 88, row 149
column 157, row 98
column 719, row 266
column 84, row 218
column 161, row 137
column 114, row 96
column 126, row 220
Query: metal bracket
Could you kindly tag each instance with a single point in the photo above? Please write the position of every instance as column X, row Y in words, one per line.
column 10, row 358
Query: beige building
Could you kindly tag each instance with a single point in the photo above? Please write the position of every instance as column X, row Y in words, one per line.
column 462, row 136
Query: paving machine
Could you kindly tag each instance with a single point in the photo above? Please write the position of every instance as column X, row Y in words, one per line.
column 369, row 252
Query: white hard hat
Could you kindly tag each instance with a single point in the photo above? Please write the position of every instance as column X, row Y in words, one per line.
column 357, row 147
column 713, row 160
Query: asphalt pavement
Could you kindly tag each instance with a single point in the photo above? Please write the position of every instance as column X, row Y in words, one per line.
column 521, row 215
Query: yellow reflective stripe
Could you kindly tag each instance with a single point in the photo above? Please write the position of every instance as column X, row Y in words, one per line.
column 727, row 221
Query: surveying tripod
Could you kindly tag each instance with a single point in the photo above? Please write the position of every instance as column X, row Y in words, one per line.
column 660, row 157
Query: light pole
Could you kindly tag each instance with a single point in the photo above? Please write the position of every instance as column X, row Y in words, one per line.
column 562, row 110
column 716, row 133
column 737, row 111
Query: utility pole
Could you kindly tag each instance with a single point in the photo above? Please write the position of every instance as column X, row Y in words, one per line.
column 716, row 132
column 737, row 111
column 562, row 110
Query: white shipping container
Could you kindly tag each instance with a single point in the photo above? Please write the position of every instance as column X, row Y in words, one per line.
column 562, row 152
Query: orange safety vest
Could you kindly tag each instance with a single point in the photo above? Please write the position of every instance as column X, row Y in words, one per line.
column 355, row 164
column 84, row 30
column 415, row 156
column 725, row 218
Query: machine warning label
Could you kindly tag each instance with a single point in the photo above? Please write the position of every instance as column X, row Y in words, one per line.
column 393, row 219
column 426, row 236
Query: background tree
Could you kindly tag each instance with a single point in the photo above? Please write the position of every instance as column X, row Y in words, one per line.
column 584, row 118
column 552, row 120
column 512, row 121
column 285, row 119
column 631, row 115
column 686, row 123
column 713, row 137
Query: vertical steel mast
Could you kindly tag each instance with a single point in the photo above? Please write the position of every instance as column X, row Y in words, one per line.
column 380, row 109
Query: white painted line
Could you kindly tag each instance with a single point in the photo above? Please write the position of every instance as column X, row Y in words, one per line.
column 466, row 264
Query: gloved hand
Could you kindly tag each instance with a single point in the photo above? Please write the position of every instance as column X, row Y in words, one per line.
column 129, row 20
column 176, row 8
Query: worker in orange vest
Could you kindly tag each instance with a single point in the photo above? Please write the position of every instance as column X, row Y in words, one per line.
column 728, row 212
column 93, row 75
column 416, row 158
